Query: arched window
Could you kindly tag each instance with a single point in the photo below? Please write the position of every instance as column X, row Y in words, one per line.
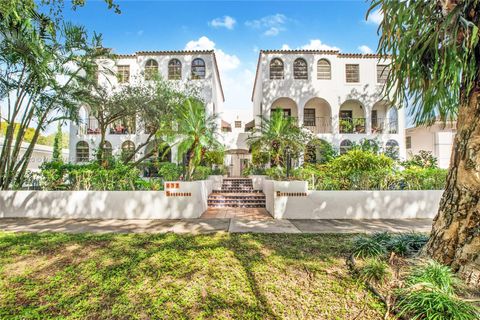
column 345, row 146
column 174, row 69
column 198, row 69
column 276, row 69
column 107, row 150
column 82, row 152
column 128, row 148
column 392, row 149
column 300, row 69
column 324, row 70
column 151, row 69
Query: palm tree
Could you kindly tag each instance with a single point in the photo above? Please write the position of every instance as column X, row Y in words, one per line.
column 435, row 54
column 194, row 132
column 280, row 136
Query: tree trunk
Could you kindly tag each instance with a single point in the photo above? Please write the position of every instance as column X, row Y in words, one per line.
column 455, row 236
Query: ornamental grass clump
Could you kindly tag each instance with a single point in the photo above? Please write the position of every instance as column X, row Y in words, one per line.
column 375, row 270
column 365, row 246
column 430, row 294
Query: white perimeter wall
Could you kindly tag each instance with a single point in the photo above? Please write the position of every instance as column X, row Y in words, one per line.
column 371, row 204
column 107, row 204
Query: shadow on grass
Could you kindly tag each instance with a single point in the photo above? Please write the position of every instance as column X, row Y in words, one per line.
column 177, row 276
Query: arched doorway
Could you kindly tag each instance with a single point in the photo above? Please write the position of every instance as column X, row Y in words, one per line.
column 236, row 161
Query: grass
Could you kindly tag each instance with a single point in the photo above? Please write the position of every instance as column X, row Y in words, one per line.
column 171, row 276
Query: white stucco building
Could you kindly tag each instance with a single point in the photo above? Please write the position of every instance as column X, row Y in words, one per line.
column 197, row 68
column 437, row 139
column 335, row 95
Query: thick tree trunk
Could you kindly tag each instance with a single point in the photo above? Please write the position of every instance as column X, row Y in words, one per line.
column 455, row 236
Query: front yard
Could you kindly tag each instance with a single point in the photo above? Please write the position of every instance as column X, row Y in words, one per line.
column 171, row 276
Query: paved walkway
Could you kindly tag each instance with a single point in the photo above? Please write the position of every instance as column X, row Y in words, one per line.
column 196, row 226
column 239, row 213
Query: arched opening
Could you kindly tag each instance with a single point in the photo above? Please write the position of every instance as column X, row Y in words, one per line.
column 392, row 149
column 384, row 118
column 318, row 151
column 317, row 116
column 276, row 69
column 352, row 117
column 151, row 69
column 82, row 152
column 198, row 69
column 128, row 149
column 300, row 69
column 174, row 69
column 324, row 70
column 287, row 105
column 345, row 146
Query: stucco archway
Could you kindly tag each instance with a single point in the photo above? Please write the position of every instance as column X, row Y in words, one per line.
column 317, row 115
column 352, row 117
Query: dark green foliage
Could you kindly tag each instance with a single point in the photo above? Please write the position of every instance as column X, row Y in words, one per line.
column 91, row 176
column 430, row 294
column 434, row 273
column 433, row 45
column 365, row 246
column 428, row 304
column 382, row 243
column 57, row 145
column 375, row 270
column 169, row 171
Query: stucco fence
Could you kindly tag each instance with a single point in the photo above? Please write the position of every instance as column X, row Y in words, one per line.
column 180, row 200
column 188, row 200
column 293, row 200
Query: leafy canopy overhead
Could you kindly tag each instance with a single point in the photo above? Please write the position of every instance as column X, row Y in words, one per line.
column 435, row 54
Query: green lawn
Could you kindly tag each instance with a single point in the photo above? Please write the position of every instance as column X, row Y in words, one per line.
column 171, row 276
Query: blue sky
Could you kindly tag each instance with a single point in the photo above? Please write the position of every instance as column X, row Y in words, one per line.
column 235, row 29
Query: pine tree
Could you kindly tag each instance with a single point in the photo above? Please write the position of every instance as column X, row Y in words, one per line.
column 57, row 145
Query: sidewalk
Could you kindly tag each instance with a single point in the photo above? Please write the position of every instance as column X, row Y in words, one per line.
column 197, row 226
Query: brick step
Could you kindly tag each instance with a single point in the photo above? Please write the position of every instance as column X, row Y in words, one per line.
column 236, row 201
column 236, row 191
column 236, row 205
column 233, row 196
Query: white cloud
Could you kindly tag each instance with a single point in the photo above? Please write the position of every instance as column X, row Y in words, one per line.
column 237, row 82
column 365, row 49
column 317, row 44
column 375, row 17
column 313, row 44
column 225, row 22
column 272, row 25
column 225, row 61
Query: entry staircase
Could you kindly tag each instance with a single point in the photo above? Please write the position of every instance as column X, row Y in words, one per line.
column 236, row 193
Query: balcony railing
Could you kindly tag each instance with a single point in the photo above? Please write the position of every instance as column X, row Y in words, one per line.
column 352, row 125
column 318, row 124
column 91, row 127
column 384, row 126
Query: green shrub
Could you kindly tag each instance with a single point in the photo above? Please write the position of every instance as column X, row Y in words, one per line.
column 254, row 170
column 416, row 178
column 428, row 304
column 276, row 173
column 430, row 294
column 365, row 246
column 434, row 273
column 201, row 173
column 92, row 176
column 375, row 270
column 169, row 171
column 407, row 244
column 213, row 157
